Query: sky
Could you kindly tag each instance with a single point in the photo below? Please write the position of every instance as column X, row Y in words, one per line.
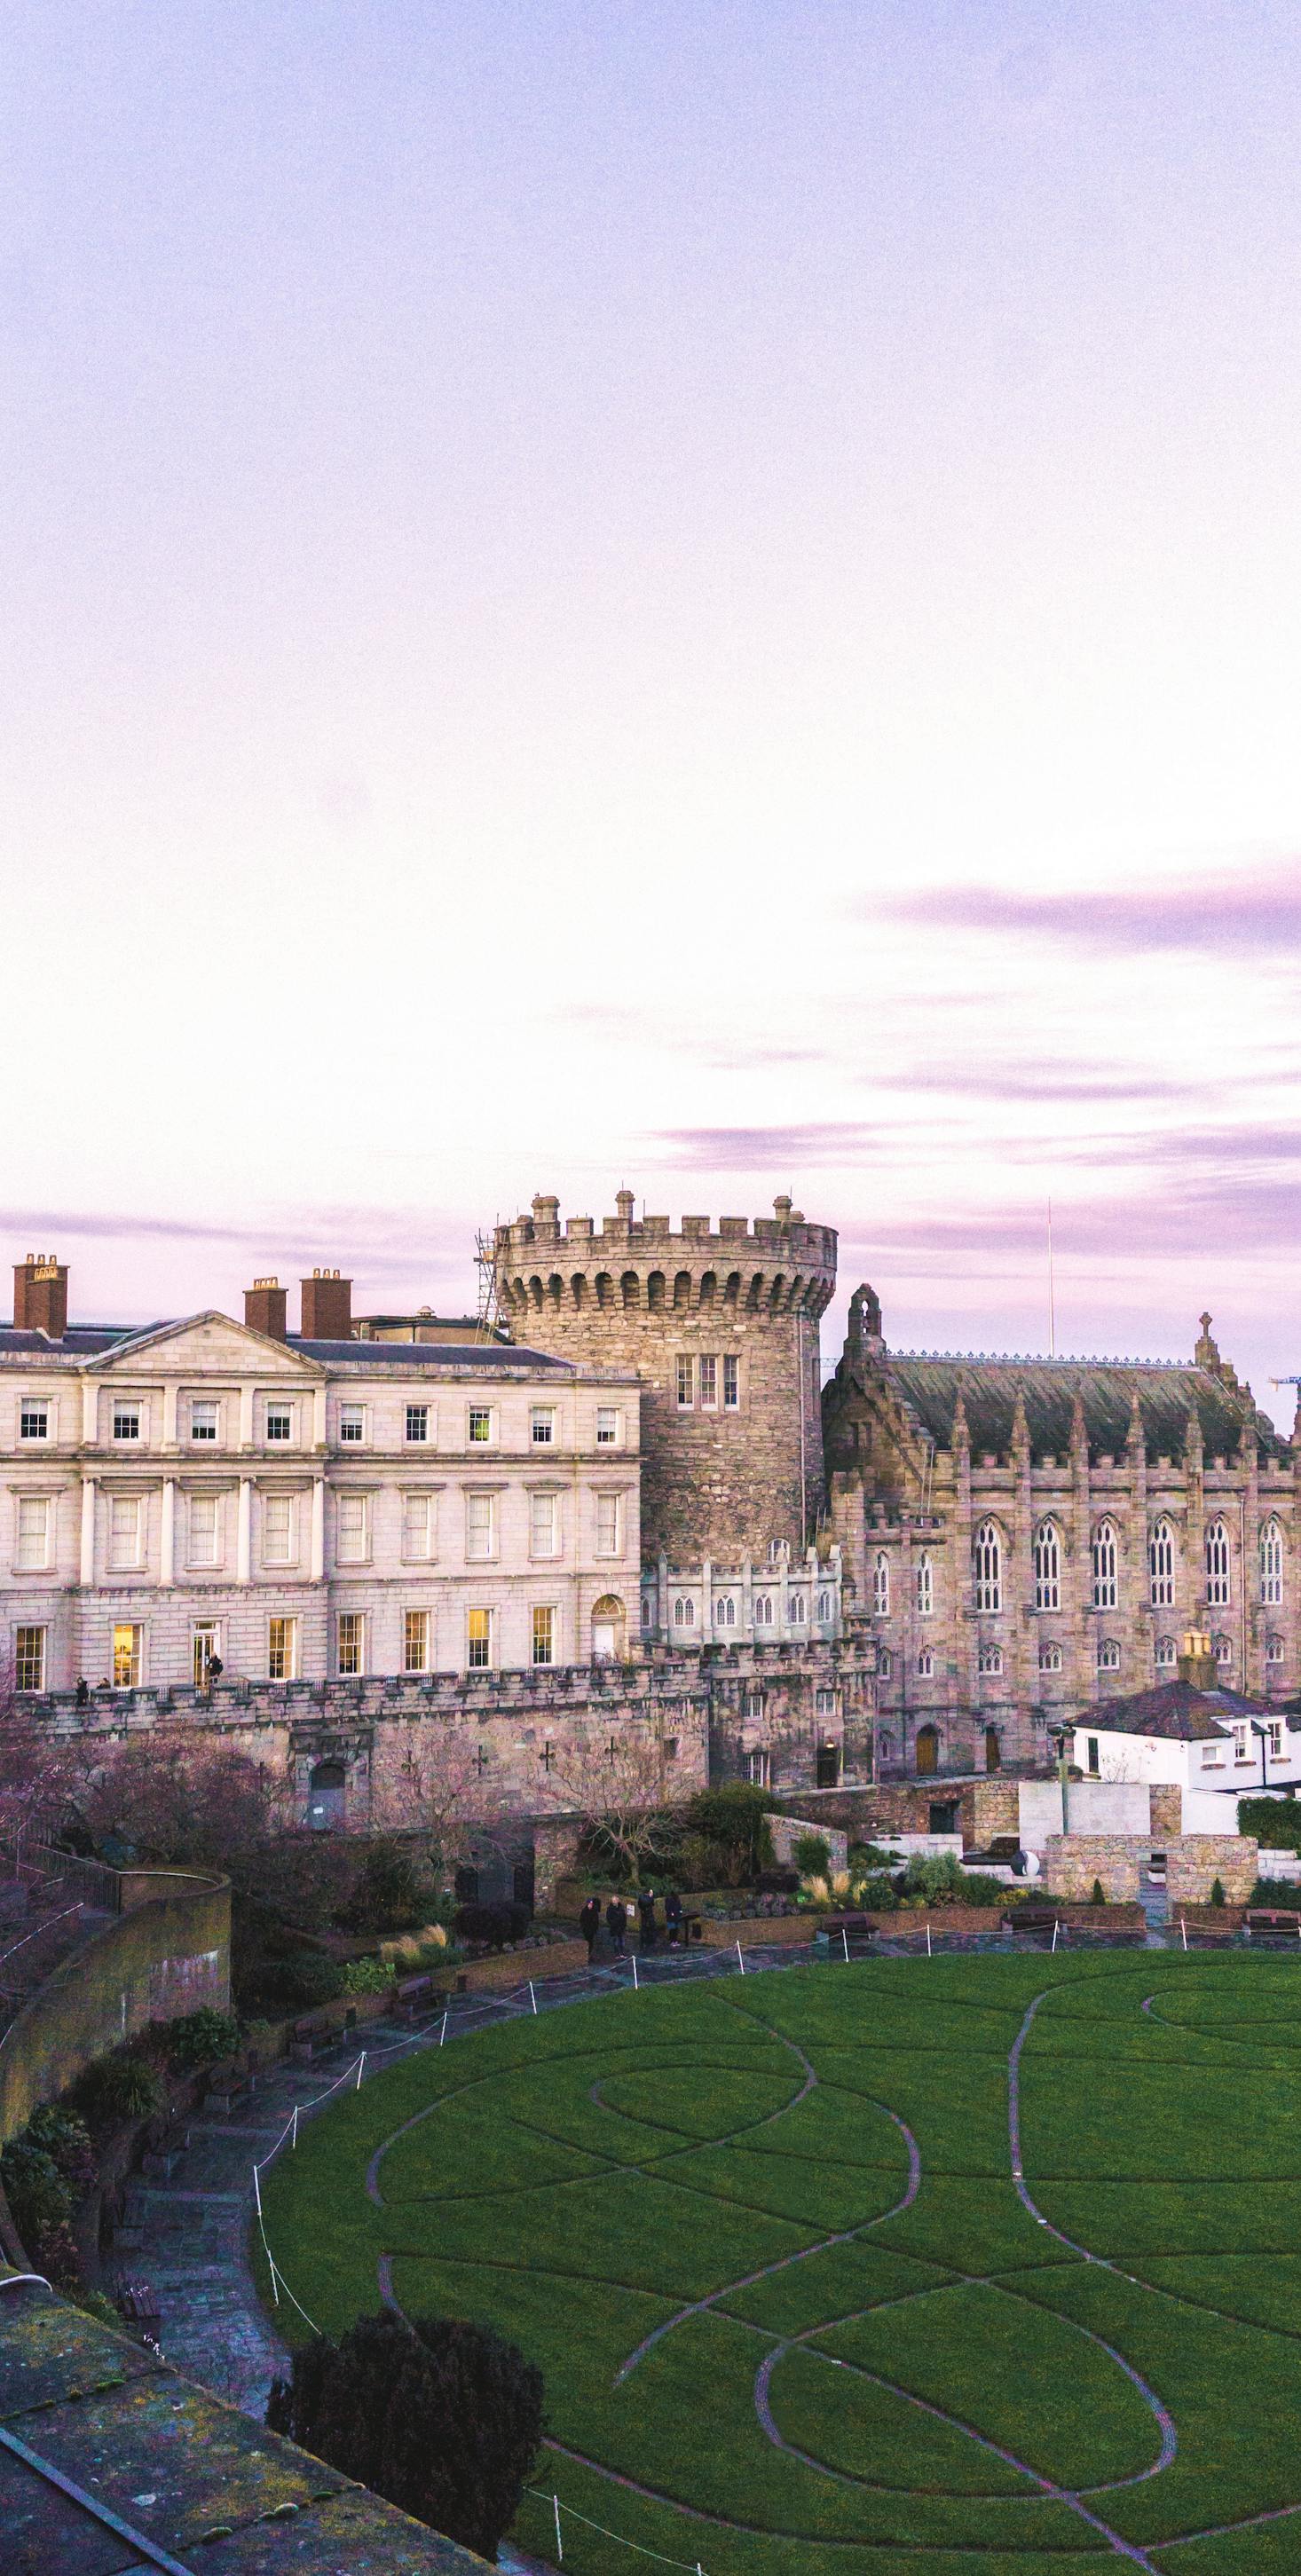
column 699, row 597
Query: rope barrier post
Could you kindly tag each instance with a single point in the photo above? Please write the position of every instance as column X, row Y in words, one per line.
column 560, row 2546
column 1184, row 1929
column 443, row 2032
column 293, row 2129
column 635, row 1987
column 845, row 1938
column 741, row 1955
column 360, row 2065
column 532, row 1997
column 928, row 1941
column 1054, row 1934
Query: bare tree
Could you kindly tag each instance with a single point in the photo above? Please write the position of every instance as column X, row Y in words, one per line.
column 620, row 1789
column 184, row 1798
column 440, row 1784
column 39, row 1771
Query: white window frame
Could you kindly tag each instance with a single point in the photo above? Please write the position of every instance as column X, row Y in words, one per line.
column 1047, row 1566
column 925, row 1586
column 540, row 1610
column 544, row 1524
column 989, row 1662
column 288, row 1627
column 1165, row 1655
column 731, row 1381
column 754, row 1701
column 38, row 1505
column 1050, row 1658
column 1271, row 1563
column 353, row 1670
column 199, row 1436
column 483, row 1508
column 881, row 1586
column 134, row 1629
column 1219, row 1565
column 128, row 1408
column 119, row 1561
column 288, row 1504
column 609, row 1508
column 707, row 1381
column 1105, row 1561
column 352, row 1425
column 486, row 1663
column 609, row 1427
column 277, row 1408
column 1108, row 1655
column 684, row 1611
column 424, row 1664
column 353, row 1518
column 987, row 1566
column 797, row 1609
column 193, row 1504
column 1161, row 1565
column 925, row 1664
column 421, row 1416
column 542, row 1426
column 685, row 1380
column 725, row 1610
column 29, row 1406
column 428, row 1514
column 758, row 1767
column 1275, row 1650
column 485, row 1438
column 761, row 1611
column 205, row 1632
column 24, row 1656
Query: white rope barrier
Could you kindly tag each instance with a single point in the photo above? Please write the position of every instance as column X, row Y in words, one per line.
column 691, row 2565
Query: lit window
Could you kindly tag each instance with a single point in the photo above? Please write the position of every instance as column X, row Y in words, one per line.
column 418, row 1525
column 280, row 1422
column 686, row 1379
column 987, row 1567
column 415, row 1641
column 205, row 1644
column 709, row 1382
column 725, row 1610
column 203, row 1529
column 203, row 1421
column 1047, row 1567
column 417, row 1425
column 1050, row 1659
column 881, row 1587
column 607, row 1427
column 282, row 1650
column 34, row 1424
column 480, row 1525
column 731, row 1382
column 543, row 1524
column 480, row 1425
column 544, row 1634
column 758, row 1769
column 1108, row 1655
column 884, row 1662
column 608, row 1532
column 753, row 1703
column 1167, row 1654
column 1217, row 1565
column 351, row 1646
column 1222, row 1649
column 1104, row 1567
column 278, row 1529
column 925, row 1588
column 798, row 1609
column 925, row 1664
column 126, row 1421
column 478, row 1639
column 1161, row 1566
column 1271, row 1564
column 763, row 1610
column 684, row 1611
column 128, row 1656
column 352, row 1425
column 125, row 1529
column 33, row 1533
column 990, row 1659
column 542, row 1422
column 29, row 1659
column 353, row 1529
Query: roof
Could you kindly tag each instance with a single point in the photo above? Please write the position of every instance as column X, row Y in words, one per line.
column 1175, row 1711
column 1167, row 1393
column 492, row 1357
column 103, row 2445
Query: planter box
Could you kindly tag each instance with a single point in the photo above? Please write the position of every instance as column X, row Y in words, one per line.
column 504, row 1969
column 1201, row 1919
column 756, row 1931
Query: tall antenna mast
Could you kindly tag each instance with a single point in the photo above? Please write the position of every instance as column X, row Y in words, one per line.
column 1052, row 1297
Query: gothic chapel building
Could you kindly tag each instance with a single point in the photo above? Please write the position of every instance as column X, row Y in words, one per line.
column 1024, row 1537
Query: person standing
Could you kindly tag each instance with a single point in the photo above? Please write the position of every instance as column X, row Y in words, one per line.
column 589, row 1924
column 616, row 1924
column 646, row 1918
column 673, row 1917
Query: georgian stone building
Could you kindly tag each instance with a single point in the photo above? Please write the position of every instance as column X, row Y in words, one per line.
column 1024, row 1537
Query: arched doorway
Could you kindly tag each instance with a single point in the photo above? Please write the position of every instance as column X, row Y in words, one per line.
column 609, row 1629
column 993, row 1749
column 325, row 1797
column 928, row 1748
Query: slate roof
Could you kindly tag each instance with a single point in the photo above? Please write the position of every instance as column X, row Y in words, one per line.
column 1167, row 1394
column 1176, row 1711
column 90, row 1341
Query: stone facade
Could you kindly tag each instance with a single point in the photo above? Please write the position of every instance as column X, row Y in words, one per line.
column 1194, row 1862
column 1069, row 1864
column 721, row 1327
column 783, row 1596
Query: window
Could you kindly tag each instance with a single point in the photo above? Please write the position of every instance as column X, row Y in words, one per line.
column 1167, row 1654
column 925, row 1588
column 1222, row 1649
column 607, row 1427
column 480, row 1525
column 478, row 1639
column 1241, row 1743
column 684, row 1611
column 1047, row 1567
column 753, row 1703
column 1104, row 1566
column 987, row 1567
column 881, row 1587
column 686, row 1379
column 1275, row 1651
column 758, row 1769
column 731, row 1382
column 826, row 1606
column 33, row 1550
column 126, row 1420
column 542, row 1426
column 925, row 1664
column 1213, row 1755
column 29, row 1659
column 763, row 1609
column 418, row 1525
column 203, row 1529
column 544, row 1634
column 352, row 1643
column 203, row 1421
column 352, row 1526
column 205, row 1643
column 278, row 1529
column 125, row 1527
column 480, row 1426
column 543, row 1524
column 990, row 1659
column 1274, row 1732
column 417, row 1426
column 1217, row 1565
column 1161, row 1566
column 609, row 1536
column 1108, row 1655
column 1091, row 1756
column 709, row 1382
column 34, row 1424
column 1050, row 1659
column 1271, row 1564
column 725, row 1610
column 280, row 1422
column 798, row 1609
column 648, row 1609
column 352, row 1425
column 282, row 1650
column 415, row 1641
column 128, row 1656
column 884, row 1662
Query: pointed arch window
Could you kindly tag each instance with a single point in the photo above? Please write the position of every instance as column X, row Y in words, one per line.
column 1047, row 1567
column 1161, row 1565
column 925, row 1588
column 881, row 1587
column 1104, row 1566
column 987, row 1566
column 1167, row 1654
column 1271, row 1563
column 1218, row 1583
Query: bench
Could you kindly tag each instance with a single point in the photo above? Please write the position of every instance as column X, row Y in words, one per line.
column 847, row 1927
column 224, row 2084
column 415, row 1996
column 1032, row 1919
column 165, row 2144
column 138, row 2304
column 1274, row 1918
column 310, row 2036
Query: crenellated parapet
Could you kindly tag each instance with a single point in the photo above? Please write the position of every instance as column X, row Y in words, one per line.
column 778, row 1265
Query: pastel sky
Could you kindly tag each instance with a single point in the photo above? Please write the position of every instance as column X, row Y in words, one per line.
column 703, row 596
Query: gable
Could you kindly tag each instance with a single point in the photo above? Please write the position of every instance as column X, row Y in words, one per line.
column 208, row 1345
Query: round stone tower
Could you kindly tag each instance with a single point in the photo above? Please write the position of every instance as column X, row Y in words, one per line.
column 722, row 1328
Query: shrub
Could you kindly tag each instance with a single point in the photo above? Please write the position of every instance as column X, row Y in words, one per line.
column 54, row 2252
column 298, row 1983
column 1217, row 1892
column 121, row 2087
column 1275, row 1822
column 66, row 2141
column 1097, row 1897
column 812, row 1855
column 869, row 1856
column 441, row 2417
column 367, row 1977
column 980, row 1887
column 390, row 1892
column 36, row 2191
column 935, row 1877
column 734, row 1818
column 201, row 2038
column 1282, row 1895
column 876, row 1894
column 495, row 1924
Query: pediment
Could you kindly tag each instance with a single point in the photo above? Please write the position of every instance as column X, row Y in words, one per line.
column 209, row 1345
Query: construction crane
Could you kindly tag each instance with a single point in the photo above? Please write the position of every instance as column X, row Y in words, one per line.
column 1285, row 1381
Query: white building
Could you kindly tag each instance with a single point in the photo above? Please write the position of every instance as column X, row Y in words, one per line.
column 780, row 1599
column 309, row 1506
column 1216, row 1746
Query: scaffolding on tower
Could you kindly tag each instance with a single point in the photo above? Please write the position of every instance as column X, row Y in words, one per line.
column 489, row 1307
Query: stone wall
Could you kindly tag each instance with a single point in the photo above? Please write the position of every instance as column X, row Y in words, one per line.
column 786, row 1832
column 1069, row 1864
column 1194, row 1862
column 1167, row 1799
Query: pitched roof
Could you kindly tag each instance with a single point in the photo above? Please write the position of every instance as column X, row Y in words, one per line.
column 1167, row 1394
column 1174, row 1711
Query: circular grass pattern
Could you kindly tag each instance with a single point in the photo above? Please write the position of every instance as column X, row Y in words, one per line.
column 961, row 2266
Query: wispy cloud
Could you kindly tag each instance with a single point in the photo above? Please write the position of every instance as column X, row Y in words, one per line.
column 778, row 1149
column 1221, row 916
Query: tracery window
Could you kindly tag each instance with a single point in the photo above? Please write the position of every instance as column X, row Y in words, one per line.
column 987, row 1566
column 1161, row 1565
column 1218, row 1591
column 1047, row 1567
column 990, row 1659
column 881, row 1587
column 1050, row 1659
column 1104, row 1566
column 925, row 1588
column 925, row 1664
column 1271, row 1563
column 1167, row 1654
column 1108, row 1655
column 1222, row 1649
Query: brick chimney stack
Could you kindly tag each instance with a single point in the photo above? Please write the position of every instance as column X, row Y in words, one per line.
column 264, row 1309
column 41, row 1295
column 1197, row 1664
column 327, row 1307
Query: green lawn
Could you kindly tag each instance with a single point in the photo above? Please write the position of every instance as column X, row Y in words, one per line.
column 901, row 2369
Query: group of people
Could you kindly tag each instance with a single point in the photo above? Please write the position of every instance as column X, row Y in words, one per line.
column 616, row 1921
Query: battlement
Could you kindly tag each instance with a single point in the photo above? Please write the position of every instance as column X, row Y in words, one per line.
column 779, row 1263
